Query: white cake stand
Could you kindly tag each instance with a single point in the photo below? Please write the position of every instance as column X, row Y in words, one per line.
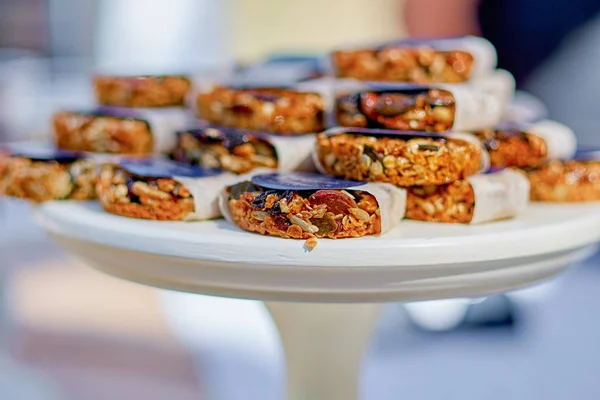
column 325, row 303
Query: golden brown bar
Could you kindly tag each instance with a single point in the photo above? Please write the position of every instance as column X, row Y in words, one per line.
column 273, row 110
column 513, row 148
column 323, row 213
column 142, row 91
column 128, row 195
column 396, row 63
column 232, row 150
column 423, row 109
column 566, row 181
column 82, row 131
column 399, row 158
column 40, row 180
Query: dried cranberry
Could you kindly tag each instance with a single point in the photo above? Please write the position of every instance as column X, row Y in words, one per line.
column 336, row 202
column 260, row 201
column 241, row 109
column 281, row 222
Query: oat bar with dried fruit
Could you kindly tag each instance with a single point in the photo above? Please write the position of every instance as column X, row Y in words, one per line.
column 527, row 145
column 142, row 90
column 119, row 130
column 307, row 206
column 434, row 108
column 240, row 151
column 576, row 180
column 397, row 157
column 450, row 60
column 272, row 110
column 43, row 175
column 161, row 189
column 479, row 198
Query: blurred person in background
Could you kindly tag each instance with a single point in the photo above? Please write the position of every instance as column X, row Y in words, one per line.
column 551, row 47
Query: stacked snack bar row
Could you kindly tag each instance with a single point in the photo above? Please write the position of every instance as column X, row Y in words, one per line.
column 421, row 121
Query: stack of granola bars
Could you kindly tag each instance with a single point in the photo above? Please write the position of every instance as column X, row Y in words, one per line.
column 419, row 129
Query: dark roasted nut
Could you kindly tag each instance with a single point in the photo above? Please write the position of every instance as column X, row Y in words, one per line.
column 142, row 91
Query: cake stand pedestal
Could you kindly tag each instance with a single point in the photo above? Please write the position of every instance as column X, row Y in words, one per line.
column 325, row 303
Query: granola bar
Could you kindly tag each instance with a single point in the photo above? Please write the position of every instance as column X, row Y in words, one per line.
column 142, row 91
column 273, row 110
column 160, row 190
column 480, row 198
column 119, row 131
column 417, row 61
column 527, row 146
column 567, row 181
column 418, row 108
column 242, row 151
column 42, row 176
column 306, row 206
column 396, row 157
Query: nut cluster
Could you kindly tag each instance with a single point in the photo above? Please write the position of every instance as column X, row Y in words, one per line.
column 399, row 161
column 103, row 134
column 430, row 110
column 278, row 111
column 142, row 91
column 148, row 198
column 420, row 65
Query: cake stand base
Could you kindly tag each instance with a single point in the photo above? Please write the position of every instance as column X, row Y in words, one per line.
column 323, row 346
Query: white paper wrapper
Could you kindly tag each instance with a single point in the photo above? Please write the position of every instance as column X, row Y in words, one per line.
column 560, row 139
column 476, row 108
column 294, row 153
column 500, row 83
column 484, row 53
column 164, row 122
column 499, row 195
column 484, row 162
column 524, row 107
column 391, row 200
column 205, row 192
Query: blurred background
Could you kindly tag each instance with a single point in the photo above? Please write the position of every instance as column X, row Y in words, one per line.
column 96, row 337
